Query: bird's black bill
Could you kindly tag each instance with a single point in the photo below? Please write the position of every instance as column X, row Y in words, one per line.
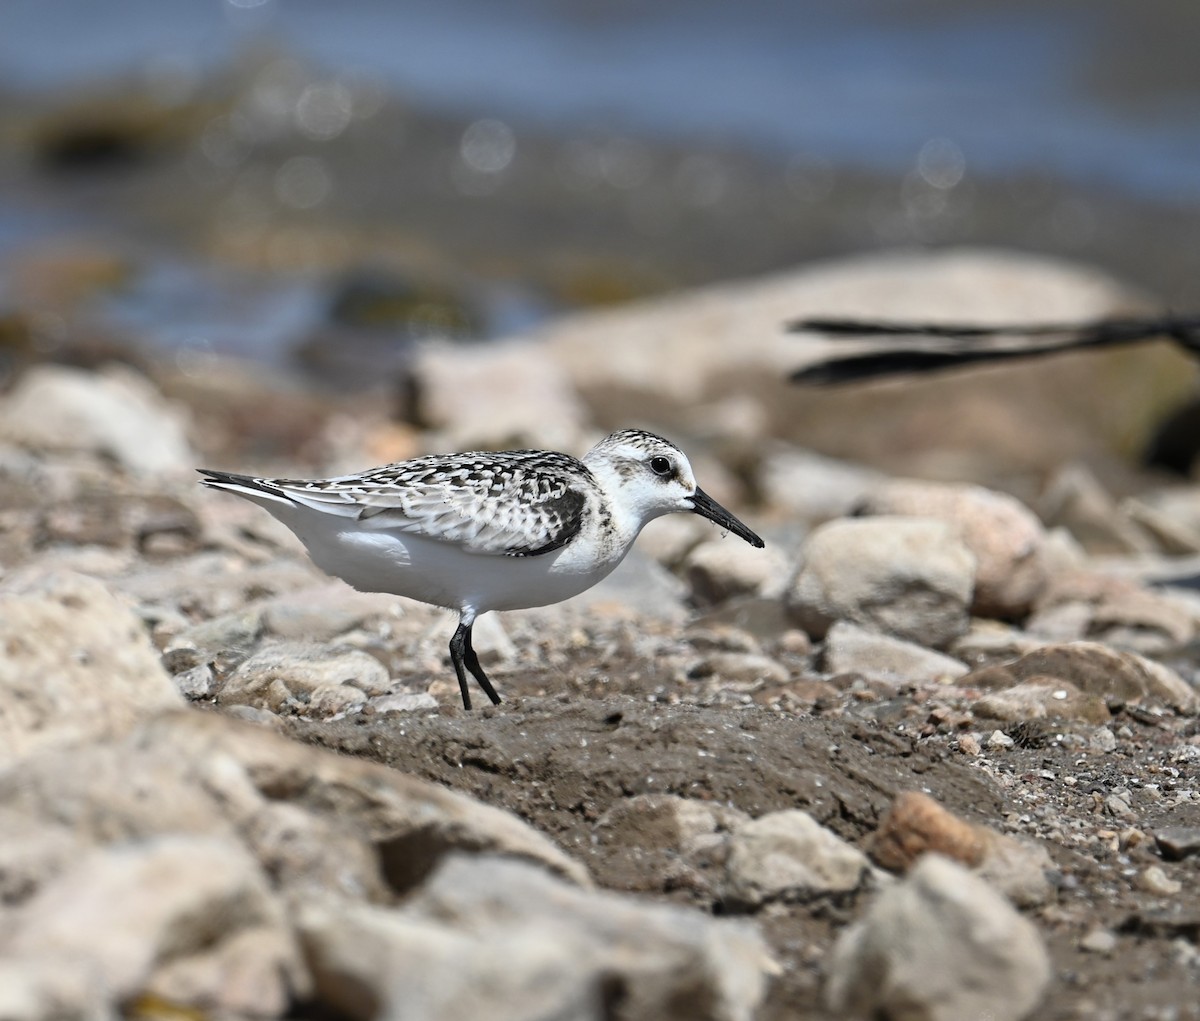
column 707, row 507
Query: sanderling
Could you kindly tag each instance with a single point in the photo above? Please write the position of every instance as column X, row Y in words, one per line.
column 486, row 531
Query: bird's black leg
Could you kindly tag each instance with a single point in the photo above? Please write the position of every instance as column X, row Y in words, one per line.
column 477, row 672
column 458, row 645
column 463, row 656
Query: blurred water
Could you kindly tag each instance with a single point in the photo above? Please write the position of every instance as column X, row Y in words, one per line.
column 1089, row 90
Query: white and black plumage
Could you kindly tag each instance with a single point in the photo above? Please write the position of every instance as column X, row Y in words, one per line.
column 890, row 348
column 486, row 531
column 882, row 349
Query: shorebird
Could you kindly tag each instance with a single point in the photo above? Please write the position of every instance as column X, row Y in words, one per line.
column 884, row 349
column 486, row 531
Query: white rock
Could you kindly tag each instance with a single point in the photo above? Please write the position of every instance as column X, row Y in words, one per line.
column 909, row 577
column 404, row 703
column 727, row 342
column 1004, row 535
column 507, row 394
column 77, row 663
column 1154, row 880
column 491, row 640
column 850, row 649
column 711, row 334
column 941, row 945
column 292, row 670
column 675, row 962
column 789, row 855
column 814, row 487
column 114, row 412
column 498, row 939
column 32, row 989
column 639, row 587
column 189, row 919
column 718, row 570
column 670, row 538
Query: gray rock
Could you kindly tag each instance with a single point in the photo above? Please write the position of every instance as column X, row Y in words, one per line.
column 77, row 664
column 1177, row 842
column 854, row 650
column 1118, row 611
column 670, row 962
column 1098, row 670
column 351, row 826
column 1004, row 535
column 278, row 675
column 229, row 634
column 640, row 587
column 113, row 412
column 33, row 851
column 491, row 641
column 410, row 824
column 333, row 701
column 197, row 683
column 909, row 577
column 727, row 339
column 717, row 571
column 765, row 619
column 43, row 990
column 941, row 945
column 670, row 538
column 1046, row 698
column 1018, row 868
column 813, row 487
column 788, row 855
column 683, row 824
column 1074, row 499
column 739, row 668
column 187, row 919
column 507, row 394
column 320, row 613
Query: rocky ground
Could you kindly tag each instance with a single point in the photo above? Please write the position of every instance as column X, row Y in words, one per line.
column 933, row 753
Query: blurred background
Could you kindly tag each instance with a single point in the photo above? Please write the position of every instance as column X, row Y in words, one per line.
column 316, row 185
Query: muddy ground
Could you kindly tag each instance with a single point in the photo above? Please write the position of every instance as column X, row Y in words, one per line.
column 562, row 751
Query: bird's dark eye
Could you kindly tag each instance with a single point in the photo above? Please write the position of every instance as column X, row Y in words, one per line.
column 660, row 465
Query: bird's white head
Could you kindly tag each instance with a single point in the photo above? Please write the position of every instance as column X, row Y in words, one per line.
column 648, row 476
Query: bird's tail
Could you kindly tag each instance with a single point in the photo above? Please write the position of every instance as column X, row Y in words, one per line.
column 258, row 490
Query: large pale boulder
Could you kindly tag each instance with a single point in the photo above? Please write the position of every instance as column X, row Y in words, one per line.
column 908, row 577
column 678, row 353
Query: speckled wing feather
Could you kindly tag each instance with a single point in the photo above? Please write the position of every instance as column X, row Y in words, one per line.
column 518, row 503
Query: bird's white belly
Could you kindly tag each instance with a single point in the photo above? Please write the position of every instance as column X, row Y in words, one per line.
column 443, row 574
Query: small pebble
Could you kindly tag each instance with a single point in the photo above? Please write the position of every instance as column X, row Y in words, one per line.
column 1118, row 806
column 999, row 739
column 196, row 683
column 1154, row 880
column 968, row 744
column 404, row 703
column 1099, row 941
